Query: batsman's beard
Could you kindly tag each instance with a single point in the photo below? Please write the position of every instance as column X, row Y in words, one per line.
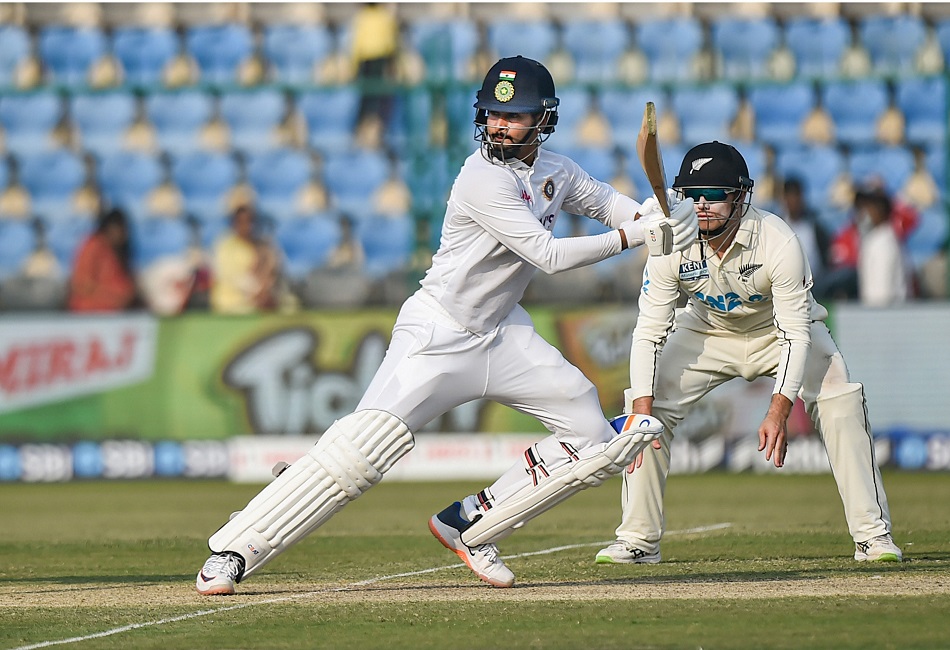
column 501, row 147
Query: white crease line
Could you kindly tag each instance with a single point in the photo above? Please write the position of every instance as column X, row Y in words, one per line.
column 361, row 583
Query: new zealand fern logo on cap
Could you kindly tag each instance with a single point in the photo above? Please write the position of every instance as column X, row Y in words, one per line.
column 504, row 90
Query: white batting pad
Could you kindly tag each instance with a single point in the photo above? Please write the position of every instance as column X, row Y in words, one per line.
column 350, row 458
column 593, row 466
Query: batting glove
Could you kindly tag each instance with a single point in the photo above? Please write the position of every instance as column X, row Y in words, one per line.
column 682, row 222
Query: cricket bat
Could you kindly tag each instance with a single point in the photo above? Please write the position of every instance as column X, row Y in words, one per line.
column 648, row 150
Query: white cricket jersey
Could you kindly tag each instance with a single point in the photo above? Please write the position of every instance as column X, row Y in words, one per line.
column 497, row 231
column 762, row 281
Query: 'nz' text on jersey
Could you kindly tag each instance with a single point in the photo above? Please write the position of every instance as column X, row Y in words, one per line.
column 727, row 302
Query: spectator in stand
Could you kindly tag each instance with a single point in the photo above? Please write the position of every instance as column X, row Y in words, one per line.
column 841, row 280
column 102, row 278
column 883, row 276
column 804, row 223
column 375, row 50
column 244, row 268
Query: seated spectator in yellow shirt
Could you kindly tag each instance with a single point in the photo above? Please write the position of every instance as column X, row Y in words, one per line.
column 244, row 268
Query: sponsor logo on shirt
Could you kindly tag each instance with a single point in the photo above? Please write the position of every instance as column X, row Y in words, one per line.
column 727, row 302
column 690, row 270
column 525, row 197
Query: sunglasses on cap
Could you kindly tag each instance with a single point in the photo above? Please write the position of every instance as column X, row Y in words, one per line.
column 711, row 194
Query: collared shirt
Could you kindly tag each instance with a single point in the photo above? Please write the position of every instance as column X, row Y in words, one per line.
column 497, row 231
column 763, row 281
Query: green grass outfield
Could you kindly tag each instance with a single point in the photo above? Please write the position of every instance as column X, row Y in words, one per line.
column 768, row 565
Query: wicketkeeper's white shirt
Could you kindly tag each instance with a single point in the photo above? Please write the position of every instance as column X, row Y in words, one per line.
column 762, row 281
column 497, row 232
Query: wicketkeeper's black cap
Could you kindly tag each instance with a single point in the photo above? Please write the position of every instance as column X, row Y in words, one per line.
column 713, row 164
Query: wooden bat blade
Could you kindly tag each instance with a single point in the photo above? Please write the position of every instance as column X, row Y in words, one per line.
column 648, row 150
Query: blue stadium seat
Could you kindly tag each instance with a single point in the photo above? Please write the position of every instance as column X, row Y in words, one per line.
column 17, row 241
column 596, row 47
column 64, row 236
column 599, row 162
column 330, row 114
column 429, row 180
column 126, row 179
column 205, row 180
column 352, row 177
column 388, row 243
column 623, row 108
column 756, row 159
column 144, row 53
column 178, row 118
column 534, row 39
column 781, row 110
column 219, row 50
column 818, row 167
column 892, row 41
column 411, row 118
column 102, row 120
column 28, row 121
column 153, row 239
column 705, row 113
column 446, row 47
column 460, row 114
column 307, row 242
column 855, row 107
column 818, row 45
column 277, row 178
column 744, row 46
column 942, row 32
column 567, row 225
column 936, row 164
column 923, row 101
column 673, row 154
column 929, row 237
column 52, row 178
column 891, row 164
column 14, row 50
column 68, row 53
column 670, row 45
column 294, row 52
column 574, row 107
column 4, row 174
column 253, row 117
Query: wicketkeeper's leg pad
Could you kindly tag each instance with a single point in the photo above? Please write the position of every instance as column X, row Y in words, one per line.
column 593, row 466
column 350, row 458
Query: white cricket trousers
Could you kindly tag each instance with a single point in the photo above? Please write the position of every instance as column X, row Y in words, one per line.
column 692, row 364
column 433, row 364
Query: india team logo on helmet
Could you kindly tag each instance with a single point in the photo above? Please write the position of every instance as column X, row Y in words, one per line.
column 517, row 85
column 504, row 91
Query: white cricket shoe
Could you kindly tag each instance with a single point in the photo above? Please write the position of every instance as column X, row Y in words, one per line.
column 620, row 552
column 878, row 549
column 483, row 560
column 219, row 574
